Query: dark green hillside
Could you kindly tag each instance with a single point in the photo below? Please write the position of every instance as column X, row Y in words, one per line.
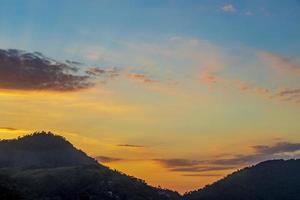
column 45, row 166
column 41, row 150
column 269, row 180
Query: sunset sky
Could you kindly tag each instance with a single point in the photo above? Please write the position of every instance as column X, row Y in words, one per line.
column 176, row 92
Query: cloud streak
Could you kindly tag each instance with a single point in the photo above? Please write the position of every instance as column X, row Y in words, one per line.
column 177, row 162
column 228, row 8
column 217, row 166
column 212, row 78
column 281, row 147
column 288, row 94
column 7, row 132
column 200, row 169
column 130, row 145
column 260, row 153
column 8, row 128
column 281, row 64
column 101, row 71
column 202, row 175
column 141, row 77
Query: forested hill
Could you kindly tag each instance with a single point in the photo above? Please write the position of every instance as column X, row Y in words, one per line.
column 269, row 180
column 41, row 150
column 46, row 166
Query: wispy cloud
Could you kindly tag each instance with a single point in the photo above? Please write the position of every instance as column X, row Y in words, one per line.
column 281, row 64
column 180, row 59
column 260, row 153
column 153, row 61
column 212, row 78
column 130, row 145
column 187, row 165
column 72, row 62
column 178, row 162
column 200, row 168
column 103, row 71
column 202, row 175
column 281, row 147
column 229, row 8
column 7, row 132
column 217, row 165
column 288, row 94
column 8, row 128
column 141, row 77
column 239, row 160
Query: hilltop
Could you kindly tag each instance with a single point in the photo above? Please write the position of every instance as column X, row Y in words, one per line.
column 46, row 166
column 269, row 180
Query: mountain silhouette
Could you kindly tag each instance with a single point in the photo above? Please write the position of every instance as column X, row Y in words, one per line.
column 41, row 150
column 269, row 180
column 44, row 166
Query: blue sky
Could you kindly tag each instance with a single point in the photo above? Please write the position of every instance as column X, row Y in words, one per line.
column 268, row 25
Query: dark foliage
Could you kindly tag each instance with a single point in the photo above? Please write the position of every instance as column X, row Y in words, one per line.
column 41, row 150
column 44, row 166
column 269, row 180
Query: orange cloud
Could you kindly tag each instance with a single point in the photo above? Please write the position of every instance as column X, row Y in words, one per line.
column 141, row 77
column 288, row 94
column 281, row 64
column 137, row 75
column 211, row 78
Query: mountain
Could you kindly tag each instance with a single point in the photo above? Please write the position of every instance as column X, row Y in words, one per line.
column 46, row 166
column 41, row 150
column 269, row 180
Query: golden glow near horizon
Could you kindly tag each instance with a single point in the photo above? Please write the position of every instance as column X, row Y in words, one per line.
column 180, row 134
column 172, row 139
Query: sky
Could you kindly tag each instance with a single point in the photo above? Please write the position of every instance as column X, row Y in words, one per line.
column 178, row 93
